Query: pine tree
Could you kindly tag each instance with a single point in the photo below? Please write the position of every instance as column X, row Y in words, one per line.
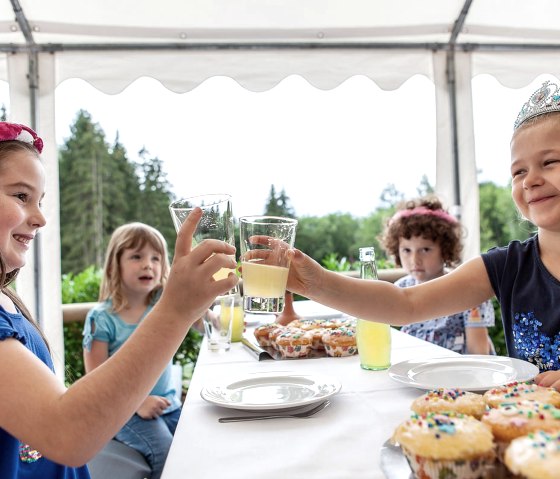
column 155, row 196
column 278, row 205
column 81, row 163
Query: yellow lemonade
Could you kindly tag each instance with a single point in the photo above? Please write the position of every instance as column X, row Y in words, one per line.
column 238, row 317
column 264, row 280
column 374, row 344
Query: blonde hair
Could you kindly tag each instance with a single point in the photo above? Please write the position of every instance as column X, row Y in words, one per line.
column 130, row 236
column 7, row 278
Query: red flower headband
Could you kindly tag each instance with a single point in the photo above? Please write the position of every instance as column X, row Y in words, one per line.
column 422, row 210
column 17, row 132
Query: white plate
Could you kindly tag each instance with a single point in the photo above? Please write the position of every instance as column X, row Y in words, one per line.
column 476, row 373
column 271, row 391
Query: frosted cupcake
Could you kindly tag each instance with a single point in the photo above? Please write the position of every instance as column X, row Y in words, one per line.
column 510, row 421
column 262, row 333
column 340, row 342
column 294, row 343
column 519, row 391
column 535, row 456
column 450, row 400
column 446, row 445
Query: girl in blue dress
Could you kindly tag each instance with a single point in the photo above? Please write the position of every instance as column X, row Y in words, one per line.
column 524, row 276
column 48, row 431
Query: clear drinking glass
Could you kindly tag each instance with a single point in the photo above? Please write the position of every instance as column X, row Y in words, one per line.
column 216, row 222
column 218, row 324
column 265, row 242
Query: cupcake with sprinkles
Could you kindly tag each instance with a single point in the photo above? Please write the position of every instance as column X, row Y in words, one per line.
column 450, row 400
column 512, row 420
column 446, row 446
column 294, row 343
column 340, row 342
column 535, row 456
column 262, row 333
column 519, row 391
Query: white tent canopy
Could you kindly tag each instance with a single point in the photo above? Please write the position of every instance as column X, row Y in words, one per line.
column 111, row 43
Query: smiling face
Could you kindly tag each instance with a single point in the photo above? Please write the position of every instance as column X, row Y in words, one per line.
column 22, row 186
column 421, row 258
column 535, row 172
column 140, row 270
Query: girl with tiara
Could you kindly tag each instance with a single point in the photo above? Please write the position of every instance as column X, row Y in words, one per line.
column 424, row 239
column 524, row 275
column 48, row 431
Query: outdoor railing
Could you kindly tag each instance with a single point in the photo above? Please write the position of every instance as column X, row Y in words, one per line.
column 78, row 311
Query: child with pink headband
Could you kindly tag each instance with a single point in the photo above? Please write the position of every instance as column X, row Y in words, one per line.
column 424, row 240
column 524, row 275
column 48, row 431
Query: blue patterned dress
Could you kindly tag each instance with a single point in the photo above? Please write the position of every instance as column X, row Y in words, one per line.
column 449, row 331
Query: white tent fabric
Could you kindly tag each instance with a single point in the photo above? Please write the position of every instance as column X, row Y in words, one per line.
column 111, row 43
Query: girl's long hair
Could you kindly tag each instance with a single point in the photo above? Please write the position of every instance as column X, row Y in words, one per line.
column 6, row 279
column 130, row 236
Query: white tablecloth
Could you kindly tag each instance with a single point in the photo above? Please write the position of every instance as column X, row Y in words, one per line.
column 342, row 441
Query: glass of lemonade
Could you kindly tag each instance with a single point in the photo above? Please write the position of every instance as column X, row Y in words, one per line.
column 216, row 221
column 265, row 242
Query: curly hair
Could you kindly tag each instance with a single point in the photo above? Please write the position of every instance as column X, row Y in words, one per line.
column 436, row 228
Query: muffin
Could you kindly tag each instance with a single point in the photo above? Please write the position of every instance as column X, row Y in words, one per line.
column 450, row 400
column 294, row 343
column 277, row 332
column 262, row 333
column 340, row 342
column 446, row 445
column 345, row 322
column 317, row 335
column 535, row 456
column 510, row 421
column 310, row 324
column 519, row 391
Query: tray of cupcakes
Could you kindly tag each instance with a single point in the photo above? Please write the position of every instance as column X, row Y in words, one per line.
column 511, row 431
column 304, row 338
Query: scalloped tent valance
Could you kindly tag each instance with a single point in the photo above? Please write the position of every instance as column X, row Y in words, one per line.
column 111, row 43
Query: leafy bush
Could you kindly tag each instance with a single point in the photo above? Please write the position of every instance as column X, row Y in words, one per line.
column 84, row 288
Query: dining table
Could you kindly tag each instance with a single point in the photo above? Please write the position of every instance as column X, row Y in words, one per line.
column 344, row 440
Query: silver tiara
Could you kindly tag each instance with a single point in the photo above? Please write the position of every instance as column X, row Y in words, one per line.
column 545, row 100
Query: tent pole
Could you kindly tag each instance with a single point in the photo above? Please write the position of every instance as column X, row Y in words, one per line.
column 452, row 89
column 33, row 80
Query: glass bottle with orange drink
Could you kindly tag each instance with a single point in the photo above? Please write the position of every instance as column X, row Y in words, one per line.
column 373, row 339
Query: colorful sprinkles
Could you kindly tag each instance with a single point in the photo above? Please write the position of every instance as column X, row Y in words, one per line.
column 26, row 454
column 444, row 394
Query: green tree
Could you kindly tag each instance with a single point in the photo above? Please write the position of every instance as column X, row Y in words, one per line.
column 82, row 161
column 101, row 189
column 500, row 221
column 279, row 205
column 3, row 114
column 154, row 196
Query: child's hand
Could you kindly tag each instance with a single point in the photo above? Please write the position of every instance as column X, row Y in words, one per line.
column 549, row 379
column 153, row 407
column 191, row 288
column 305, row 273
